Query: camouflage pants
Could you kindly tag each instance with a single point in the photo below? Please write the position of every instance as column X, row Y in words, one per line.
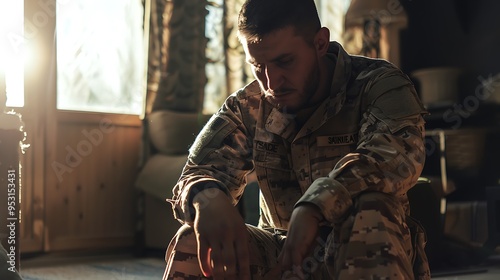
column 374, row 242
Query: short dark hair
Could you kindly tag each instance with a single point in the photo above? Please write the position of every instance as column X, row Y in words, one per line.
column 258, row 18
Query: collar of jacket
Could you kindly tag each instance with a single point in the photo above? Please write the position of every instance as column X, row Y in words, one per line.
column 327, row 109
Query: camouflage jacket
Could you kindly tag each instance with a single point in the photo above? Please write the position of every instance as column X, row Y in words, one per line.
column 366, row 136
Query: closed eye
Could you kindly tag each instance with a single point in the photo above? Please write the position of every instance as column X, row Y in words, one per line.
column 284, row 60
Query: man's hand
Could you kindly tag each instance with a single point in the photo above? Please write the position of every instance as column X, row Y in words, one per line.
column 302, row 232
column 222, row 237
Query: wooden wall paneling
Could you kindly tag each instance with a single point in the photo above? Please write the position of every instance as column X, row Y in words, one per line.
column 91, row 204
column 97, row 190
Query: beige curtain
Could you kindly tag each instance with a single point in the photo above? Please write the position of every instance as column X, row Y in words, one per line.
column 176, row 59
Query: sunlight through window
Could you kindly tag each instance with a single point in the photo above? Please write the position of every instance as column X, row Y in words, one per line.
column 12, row 50
column 100, row 56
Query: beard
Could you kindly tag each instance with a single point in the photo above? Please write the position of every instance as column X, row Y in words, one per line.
column 300, row 98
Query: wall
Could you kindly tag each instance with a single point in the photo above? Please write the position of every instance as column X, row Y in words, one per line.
column 78, row 172
column 465, row 34
column 459, row 33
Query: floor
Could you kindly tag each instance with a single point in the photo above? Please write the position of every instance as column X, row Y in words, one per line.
column 131, row 269
column 490, row 274
column 480, row 273
column 96, row 265
column 488, row 270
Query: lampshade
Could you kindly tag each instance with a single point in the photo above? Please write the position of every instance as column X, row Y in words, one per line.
column 372, row 28
column 385, row 11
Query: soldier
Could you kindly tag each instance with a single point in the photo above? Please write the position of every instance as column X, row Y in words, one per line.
column 335, row 141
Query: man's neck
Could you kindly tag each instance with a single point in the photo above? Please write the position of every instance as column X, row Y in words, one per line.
column 327, row 67
column 326, row 77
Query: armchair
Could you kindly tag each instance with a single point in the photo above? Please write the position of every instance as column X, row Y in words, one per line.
column 167, row 137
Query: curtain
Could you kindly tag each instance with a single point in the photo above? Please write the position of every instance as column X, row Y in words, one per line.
column 176, row 56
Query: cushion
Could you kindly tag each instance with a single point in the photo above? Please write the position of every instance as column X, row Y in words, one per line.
column 172, row 133
column 160, row 174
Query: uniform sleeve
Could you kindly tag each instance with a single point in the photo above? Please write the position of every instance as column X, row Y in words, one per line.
column 390, row 154
column 220, row 157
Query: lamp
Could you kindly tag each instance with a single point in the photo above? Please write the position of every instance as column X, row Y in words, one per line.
column 372, row 28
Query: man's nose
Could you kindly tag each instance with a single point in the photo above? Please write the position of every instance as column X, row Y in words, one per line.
column 274, row 78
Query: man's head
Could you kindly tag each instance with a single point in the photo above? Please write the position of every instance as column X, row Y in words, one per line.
column 258, row 18
column 285, row 44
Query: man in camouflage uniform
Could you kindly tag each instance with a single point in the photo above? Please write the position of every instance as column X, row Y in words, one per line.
column 335, row 140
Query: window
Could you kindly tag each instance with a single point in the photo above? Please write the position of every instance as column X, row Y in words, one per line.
column 331, row 13
column 12, row 51
column 215, row 68
column 100, row 56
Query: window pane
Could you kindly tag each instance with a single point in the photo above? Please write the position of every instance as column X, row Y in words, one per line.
column 100, row 65
column 216, row 87
column 331, row 14
column 12, row 50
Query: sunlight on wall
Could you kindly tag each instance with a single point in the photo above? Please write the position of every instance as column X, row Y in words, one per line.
column 12, row 50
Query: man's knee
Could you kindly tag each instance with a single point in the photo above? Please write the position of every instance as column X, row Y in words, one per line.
column 384, row 216
column 181, row 256
column 382, row 203
column 375, row 240
column 184, row 232
column 183, row 241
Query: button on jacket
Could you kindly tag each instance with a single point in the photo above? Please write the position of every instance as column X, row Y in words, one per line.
column 366, row 136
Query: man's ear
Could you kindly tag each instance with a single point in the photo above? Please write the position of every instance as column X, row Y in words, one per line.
column 322, row 40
